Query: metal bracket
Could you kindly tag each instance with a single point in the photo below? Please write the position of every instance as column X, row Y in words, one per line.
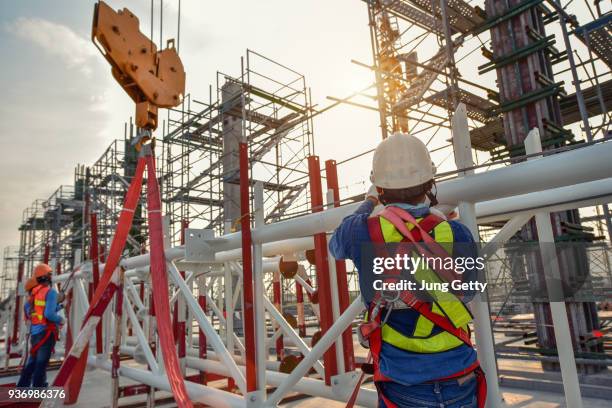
column 254, row 399
column 197, row 248
column 344, row 384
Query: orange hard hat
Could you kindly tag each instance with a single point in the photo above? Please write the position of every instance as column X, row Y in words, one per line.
column 42, row 270
column 39, row 271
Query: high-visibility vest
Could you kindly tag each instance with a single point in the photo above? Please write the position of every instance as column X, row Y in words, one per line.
column 38, row 303
column 446, row 303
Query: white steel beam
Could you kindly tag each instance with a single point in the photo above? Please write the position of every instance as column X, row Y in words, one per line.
column 211, row 335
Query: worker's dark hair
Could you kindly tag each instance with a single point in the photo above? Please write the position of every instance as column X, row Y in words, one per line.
column 44, row 279
column 407, row 195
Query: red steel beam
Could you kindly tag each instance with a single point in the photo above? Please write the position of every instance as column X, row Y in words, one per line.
column 299, row 294
column 331, row 175
column 16, row 320
column 276, row 288
column 322, row 268
column 247, row 269
column 46, row 254
column 202, row 347
column 95, row 266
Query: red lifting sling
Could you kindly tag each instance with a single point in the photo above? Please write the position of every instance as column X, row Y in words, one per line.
column 72, row 370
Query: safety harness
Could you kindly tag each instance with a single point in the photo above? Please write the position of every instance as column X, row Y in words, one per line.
column 38, row 302
column 447, row 312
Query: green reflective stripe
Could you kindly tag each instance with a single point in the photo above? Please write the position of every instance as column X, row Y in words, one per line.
column 446, row 303
column 390, row 233
column 423, row 327
column 39, row 303
column 456, row 312
column 437, row 343
column 443, row 234
column 436, row 309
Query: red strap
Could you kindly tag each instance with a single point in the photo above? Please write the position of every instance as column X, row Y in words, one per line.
column 159, row 278
column 407, row 297
column 74, row 365
column 50, row 329
column 481, row 387
column 375, row 231
column 387, row 401
column 433, row 249
column 443, row 322
column 353, row 399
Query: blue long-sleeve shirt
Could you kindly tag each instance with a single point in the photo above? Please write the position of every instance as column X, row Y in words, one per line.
column 399, row 365
column 51, row 309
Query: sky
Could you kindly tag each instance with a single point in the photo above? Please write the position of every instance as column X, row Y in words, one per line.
column 62, row 107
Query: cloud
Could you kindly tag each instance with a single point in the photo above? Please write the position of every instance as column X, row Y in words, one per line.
column 64, row 109
column 56, row 40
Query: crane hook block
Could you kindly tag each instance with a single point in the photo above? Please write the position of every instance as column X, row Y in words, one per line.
column 153, row 79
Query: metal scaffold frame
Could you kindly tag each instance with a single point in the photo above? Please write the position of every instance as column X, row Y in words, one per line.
column 218, row 352
column 256, row 306
column 270, row 105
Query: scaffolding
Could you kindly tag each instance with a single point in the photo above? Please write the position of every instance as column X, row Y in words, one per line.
column 419, row 87
column 267, row 104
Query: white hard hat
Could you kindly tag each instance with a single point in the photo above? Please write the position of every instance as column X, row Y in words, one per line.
column 401, row 161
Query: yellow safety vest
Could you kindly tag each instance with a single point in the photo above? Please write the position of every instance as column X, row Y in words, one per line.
column 446, row 304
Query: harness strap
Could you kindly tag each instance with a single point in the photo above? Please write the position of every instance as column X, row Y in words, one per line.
column 398, row 218
column 351, row 402
column 422, row 307
column 50, row 329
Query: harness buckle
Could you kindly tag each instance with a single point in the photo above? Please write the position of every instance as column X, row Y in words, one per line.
column 365, row 330
column 390, row 296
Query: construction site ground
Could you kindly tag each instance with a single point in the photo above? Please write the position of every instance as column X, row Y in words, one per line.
column 97, row 384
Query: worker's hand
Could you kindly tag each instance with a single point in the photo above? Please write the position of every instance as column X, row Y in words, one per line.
column 61, row 297
column 372, row 194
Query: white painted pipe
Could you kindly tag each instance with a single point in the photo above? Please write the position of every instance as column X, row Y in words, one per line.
column 567, row 168
column 480, row 307
column 564, row 169
column 556, row 199
column 317, row 351
column 306, row 385
column 210, row 355
column 199, row 393
column 292, row 334
column 580, row 195
column 278, row 247
column 552, row 276
column 142, row 339
column 211, row 335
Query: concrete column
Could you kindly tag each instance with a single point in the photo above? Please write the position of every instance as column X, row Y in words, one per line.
column 232, row 135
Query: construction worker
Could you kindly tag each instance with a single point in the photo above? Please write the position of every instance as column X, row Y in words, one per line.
column 41, row 309
column 416, row 362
